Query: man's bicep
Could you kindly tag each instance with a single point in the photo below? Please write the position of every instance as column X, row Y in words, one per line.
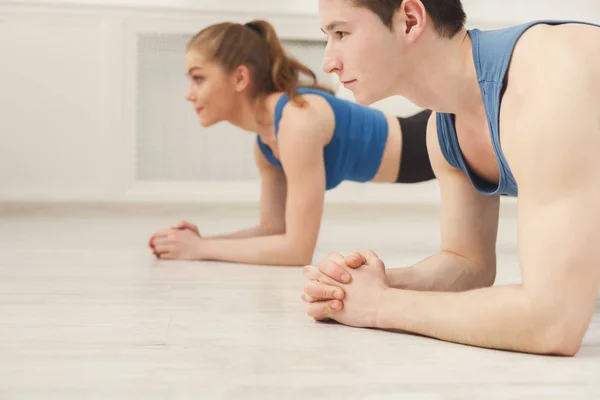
column 552, row 147
column 469, row 219
column 558, row 244
column 557, row 166
column 560, row 262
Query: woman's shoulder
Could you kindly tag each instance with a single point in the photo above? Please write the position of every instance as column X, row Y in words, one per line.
column 313, row 118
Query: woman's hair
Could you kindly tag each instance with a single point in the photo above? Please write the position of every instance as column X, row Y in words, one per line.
column 257, row 46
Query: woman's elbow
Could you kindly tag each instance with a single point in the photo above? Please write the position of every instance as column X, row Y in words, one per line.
column 300, row 253
column 301, row 258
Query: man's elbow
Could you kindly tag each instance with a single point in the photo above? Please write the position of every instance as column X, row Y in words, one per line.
column 563, row 330
column 561, row 340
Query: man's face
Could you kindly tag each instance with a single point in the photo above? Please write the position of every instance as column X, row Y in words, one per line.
column 364, row 53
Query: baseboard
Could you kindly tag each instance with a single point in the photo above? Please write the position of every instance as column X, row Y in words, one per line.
column 243, row 193
column 249, row 192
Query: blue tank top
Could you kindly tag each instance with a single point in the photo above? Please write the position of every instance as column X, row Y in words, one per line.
column 356, row 147
column 492, row 52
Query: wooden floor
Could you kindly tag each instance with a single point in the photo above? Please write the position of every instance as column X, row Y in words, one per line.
column 87, row 313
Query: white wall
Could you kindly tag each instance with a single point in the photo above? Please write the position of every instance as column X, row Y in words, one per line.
column 68, row 93
column 55, row 103
column 68, row 77
column 515, row 11
column 295, row 7
column 478, row 10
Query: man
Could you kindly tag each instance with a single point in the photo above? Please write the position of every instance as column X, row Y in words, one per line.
column 496, row 131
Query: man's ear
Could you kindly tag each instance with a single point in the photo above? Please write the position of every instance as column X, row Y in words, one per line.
column 411, row 18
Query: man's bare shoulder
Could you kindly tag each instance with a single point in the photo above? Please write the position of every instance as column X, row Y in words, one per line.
column 549, row 56
column 551, row 107
column 553, row 81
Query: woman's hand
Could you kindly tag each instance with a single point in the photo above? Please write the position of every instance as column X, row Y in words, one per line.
column 173, row 245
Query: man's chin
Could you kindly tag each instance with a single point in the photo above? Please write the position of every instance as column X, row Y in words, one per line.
column 365, row 99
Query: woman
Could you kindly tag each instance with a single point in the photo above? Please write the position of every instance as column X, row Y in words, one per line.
column 308, row 141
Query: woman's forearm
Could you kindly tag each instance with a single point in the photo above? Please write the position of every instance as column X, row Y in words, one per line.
column 261, row 250
column 256, row 231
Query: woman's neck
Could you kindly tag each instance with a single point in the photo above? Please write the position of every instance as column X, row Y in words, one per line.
column 257, row 116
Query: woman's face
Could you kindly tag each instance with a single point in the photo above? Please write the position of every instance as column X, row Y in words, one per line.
column 212, row 91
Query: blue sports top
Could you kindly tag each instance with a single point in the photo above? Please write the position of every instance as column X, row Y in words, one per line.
column 356, row 147
column 492, row 52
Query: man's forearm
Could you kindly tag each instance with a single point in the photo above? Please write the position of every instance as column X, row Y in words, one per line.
column 499, row 318
column 443, row 272
column 263, row 250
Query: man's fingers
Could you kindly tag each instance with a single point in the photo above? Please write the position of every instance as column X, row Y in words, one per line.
column 311, row 272
column 336, row 257
column 323, row 310
column 320, row 291
column 370, row 255
column 355, row 260
column 373, row 259
column 335, row 270
column 306, row 298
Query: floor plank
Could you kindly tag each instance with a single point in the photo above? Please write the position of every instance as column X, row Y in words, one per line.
column 87, row 313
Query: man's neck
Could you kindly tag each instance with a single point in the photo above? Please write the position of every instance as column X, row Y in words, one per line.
column 445, row 77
